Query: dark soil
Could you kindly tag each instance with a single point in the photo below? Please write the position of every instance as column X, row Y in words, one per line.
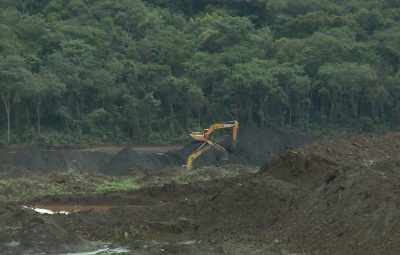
column 25, row 232
column 254, row 147
column 129, row 160
column 331, row 197
column 30, row 161
column 338, row 196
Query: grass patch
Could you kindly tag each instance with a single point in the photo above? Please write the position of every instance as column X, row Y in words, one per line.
column 22, row 190
column 123, row 234
column 116, row 185
column 202, row 174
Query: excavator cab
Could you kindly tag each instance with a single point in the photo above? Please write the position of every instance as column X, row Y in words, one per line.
column 198, row 135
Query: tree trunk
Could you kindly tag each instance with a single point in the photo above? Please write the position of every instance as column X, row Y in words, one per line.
column 321, row 107
column 308, row 113
column 7, row 108
column 309, row 108
column 262, row 118
column 198, row 114
column 290, row 111
column 373, row 110
column 137, row 127
column 250, row 121
column 38, row 118
column 16, row 114
column 187, row 118
column 355, row 106
column 261, row 111
column 160, row 131
column 78, row 110
column 333, row 101
column 28, row 118
column 382, row 112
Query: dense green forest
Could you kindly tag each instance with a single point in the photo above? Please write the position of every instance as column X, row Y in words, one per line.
column 86, row 70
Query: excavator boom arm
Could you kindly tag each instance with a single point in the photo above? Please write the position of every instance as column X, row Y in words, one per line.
column 208, row 143
column 231, row 124
column 197, row 153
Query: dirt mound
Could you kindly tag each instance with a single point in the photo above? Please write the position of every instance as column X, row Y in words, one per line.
column 347, row 198
column 130, row 160
column 258, row 145
column 254, row 147
column 25, row 232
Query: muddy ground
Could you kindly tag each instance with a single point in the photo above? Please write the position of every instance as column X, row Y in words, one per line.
column 337, row 196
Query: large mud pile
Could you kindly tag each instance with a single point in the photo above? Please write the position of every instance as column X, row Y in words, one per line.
column 346, row 198
column 26, row 232
column 129, row 160
column 331, row 197
column 27, row 161
column 254, row 147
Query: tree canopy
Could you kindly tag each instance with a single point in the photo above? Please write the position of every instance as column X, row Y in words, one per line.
column 80, row 70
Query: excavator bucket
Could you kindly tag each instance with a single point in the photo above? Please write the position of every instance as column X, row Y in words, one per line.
column 225, row 156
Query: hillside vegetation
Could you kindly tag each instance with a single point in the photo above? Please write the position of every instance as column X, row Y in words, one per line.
column 86, row 70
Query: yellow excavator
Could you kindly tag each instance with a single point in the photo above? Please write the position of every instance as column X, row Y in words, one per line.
column 206, row 137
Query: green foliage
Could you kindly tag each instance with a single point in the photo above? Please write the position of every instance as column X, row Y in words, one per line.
column 253, row 84
column 124, row 234
column 151, row 70
column 116, row 185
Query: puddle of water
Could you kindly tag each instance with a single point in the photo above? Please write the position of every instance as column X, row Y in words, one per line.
column 44, row 211
column 14, row 243
column 66, row 209
column 189, row 242
column 101, row 251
